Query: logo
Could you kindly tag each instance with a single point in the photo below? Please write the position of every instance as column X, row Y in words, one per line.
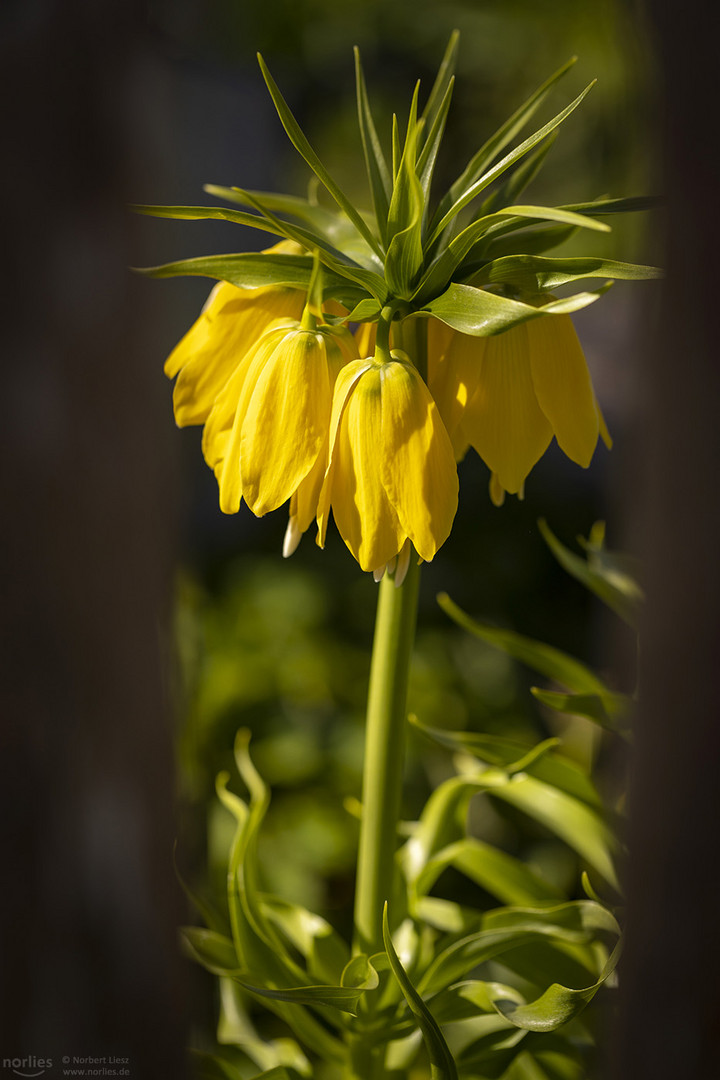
column 30, row 1066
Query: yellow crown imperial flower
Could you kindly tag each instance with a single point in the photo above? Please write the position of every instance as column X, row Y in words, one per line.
column 230, row 323
column 509, row 394
column 391, row 475
column 267, row 434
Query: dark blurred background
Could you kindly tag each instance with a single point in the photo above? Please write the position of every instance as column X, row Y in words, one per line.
column 140, row 626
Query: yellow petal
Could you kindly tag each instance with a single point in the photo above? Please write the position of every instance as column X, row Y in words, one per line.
column 503, row 420
column 343, row 386
column 287, row 420
column 454, row 362
column 562, row 385
column 223, row 432
column 363, row 514
column 416, row 458
column 228, row 327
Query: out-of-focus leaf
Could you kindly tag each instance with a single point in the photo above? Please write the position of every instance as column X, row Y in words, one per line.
column 513, row 756
column 543, row 658
column 610, row 710
column 604, row 574
column 325, row 952
column 344, row 998
column 236, row 1029
column 214, row 951
column 519, row 179
column 502, row 875
column 428, row 156
column 442, row 1066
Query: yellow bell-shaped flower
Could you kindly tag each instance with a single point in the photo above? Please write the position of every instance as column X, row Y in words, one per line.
column 509, row 394
column 267, row 434
column 230, row 323
column 391, row 475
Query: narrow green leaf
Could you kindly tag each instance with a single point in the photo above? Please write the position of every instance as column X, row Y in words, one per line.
column 519, row 179
column 628, row 205
column 325, row 952
column 429, row 153
column 315, row 217
column 532, row 273
column 330, row 256
column 603, row 576
column 504, row 135
column 500, row 241
column 549, row 661
column 511, row 754
column 343, row 998
column 377, row 170
column 404, row 227
column 482, row 313
column 442, row 1066
column 247, row 270
column 609, row 710
column 304, row 148
column 442, row 268
column 443, row 79
column 365, row 311
column 485, row 180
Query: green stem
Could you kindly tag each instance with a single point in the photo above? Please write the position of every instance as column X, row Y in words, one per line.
column 384, row 754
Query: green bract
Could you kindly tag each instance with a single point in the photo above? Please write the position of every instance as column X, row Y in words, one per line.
column 472, row 264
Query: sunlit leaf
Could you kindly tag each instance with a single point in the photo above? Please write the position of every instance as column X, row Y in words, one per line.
column 482, row 313
column 377, row 170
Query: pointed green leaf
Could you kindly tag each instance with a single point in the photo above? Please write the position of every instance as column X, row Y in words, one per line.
column 482, row 313
column 404, row 254
column 500, row 241
column 532, row 273
column 315, row 217
column 428, row 155
column 304, row 148
column 607, row 578
column 377, row 170
column 443, row 80
column 549, row 661
column 442, row 1066
column 325, row 952
column 609, row 710
column 504, row 135
column 214, row 951
column 511, row 754
column 519, row 179
column 484, row 181
column 442, row 268
column 343, row 998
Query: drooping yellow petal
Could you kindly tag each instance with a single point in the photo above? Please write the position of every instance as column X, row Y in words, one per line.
column 363, row 513
column 343, row 387
column 562, row 385
column 454, row 362
column 286, row 422
column 416, row 457
column 229, row 326
column 503, row 420
column 227, row 442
